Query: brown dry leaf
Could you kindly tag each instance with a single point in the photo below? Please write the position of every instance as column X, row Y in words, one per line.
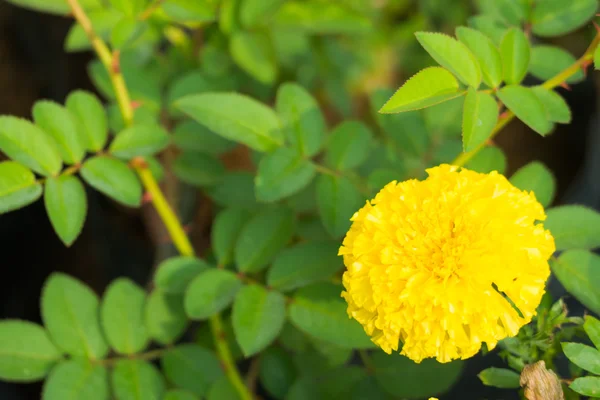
column 540, row 383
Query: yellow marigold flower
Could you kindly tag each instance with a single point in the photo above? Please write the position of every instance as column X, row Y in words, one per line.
column 433, row 263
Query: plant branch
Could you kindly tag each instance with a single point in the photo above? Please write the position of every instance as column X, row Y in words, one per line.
column 550, row 84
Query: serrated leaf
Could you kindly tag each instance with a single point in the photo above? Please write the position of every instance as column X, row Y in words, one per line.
column 303, row 264
column 527, row 107
column 428, row 87
column 552, row 18
column 27, row 144
column 319, row 311
column 225, row 231
column 277, row 372
column 77, row 380
column 165, row 317
column 70, row 311
column 515, row 53
column 337, row 200
column 301, row 118
column 317, row 17
column 210, row 292
column 174, row 274
column 557, row 109
column 198, row 169
column 348, row 146
column 282, row 174
column 574, row 227
column 489, row 159
column 137, row 380
column 191, row 136
column 486, row 52
column 102, row 19
column 122, row 316
column 59, row 7
column 235, row 189
column 191, row 367
column 561, row 60
column 537, row 178
column 178, row 394
column 235, row 117
column 583, row 356
column 253, row 52
column 90, row 117
column 113, row 178
column 500, row 377
column 66, row 205
column 579, row 272
column 592, row 328
column 258, row 316
column 452, row 55
column 18, row 187
column 139, row 140
column 129, row 7
column 26, row 352
column 59, row 123
column 480, row 115
column 262, row 237
column 587, row 386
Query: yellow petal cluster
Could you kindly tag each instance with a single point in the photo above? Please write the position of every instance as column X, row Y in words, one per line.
column 434, row 265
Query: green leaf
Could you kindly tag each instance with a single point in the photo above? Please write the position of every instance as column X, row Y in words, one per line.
column 276, row 372
column 174, row 274
column 597, row 58
column 235, row 117
column 191, row 83
column 90, row 117
column 26, row 352
column 122, row 316
column 480, row 115
column 500, row 377
column 258, row 316
column 205, row 338
column 282, row 174
column 579, row 273
column 537, row 178
column 527, row 107
column 574, row 227
column 516, row 53
column 223, row 389
column 191, row 136
column 59, row 123
column 178, row 394
column 334, row 384
column 490, row 26
column 156, row 168
column 301, row 118
column 583, row 356
column 318, row 17
column 66, row 205
column 253, row 52
column 113, row 178
column 137, row 380
column 338, row 200
column 210, row 292
column 126, row 32
column 191, row 367
column 557, row 109
column 198, row 169
column 27, row 144
column 349, row 145
column 551, row 18
column 60, row 7
column 592, row 328
column 402, row 377
column 334, row 355
column 561, row 60
column 129, row 7
column 255, row 11
column 510, row 12
column 165, row 317
column 190, row 11
column 587, row 386
column 235, row 189
column 485, row 52
column 70, row 311
column 225, row 231
column 103, row 20
column 452, row 55
column 487, row 160
column 77, row 380
column 18, row 187
column 303, row 264
column 368, row 388
column 320, row 311
column 428, row 87
column 262, row 237
column 139, row 140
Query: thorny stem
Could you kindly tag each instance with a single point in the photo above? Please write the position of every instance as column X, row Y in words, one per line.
column 550, row 84
column 164, row 210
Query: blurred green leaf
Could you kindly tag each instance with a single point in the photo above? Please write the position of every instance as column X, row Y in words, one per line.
column 139, row 140
column 206, row 339
column 305, row 201
column 574, row 227
column 129, row 7
column 102, row 19
column 557, row 109
column 194, row 82
column 583, row 356
column 291, row 338
column 338, row 200
column 500, row 377
column 26, row 352
column 253, row 12
column 190, row 11
column 335, row 355
column 70, row 311
column 77, row 380
column 60, row 7
column 368, row 388
column 210, row 292
column 262, row 238
column 223, row 389
column 178, row 394
column 491, row 27
column 510, row 12
column 277, row 372
column 480, row 116
column 191, row 136
column 198, row 169
column 487, row 160
column 253, row 52
column 225, row 231
column 516, row 53
column 592, row 328
column 537, row 178
column 18, row 186
column 90, row 118
column 235, row 189
column 348, row 146
column 192, row 368
column 527, row 107
column 137, row 380
column 334, row 384
column 579, row 272
column 551, row 18
column 320, row 17
column 485, row 52
column 113, row 178
column 587, row 386
column 174, row 274
column 27, row 144
column 561, row 60
column 597, row 58
column 165, row 317
column 444, row 120
column 126, row 32
column 66, row 204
